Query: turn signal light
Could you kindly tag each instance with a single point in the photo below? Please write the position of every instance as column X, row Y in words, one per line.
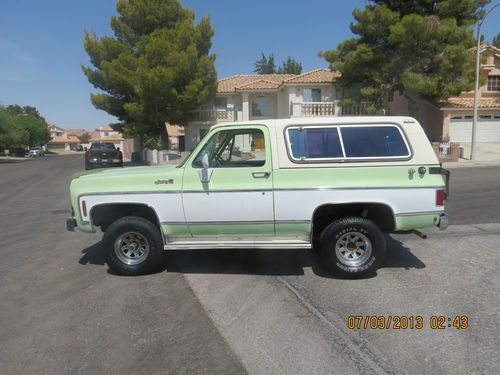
column 440, row 197
column 84, row 208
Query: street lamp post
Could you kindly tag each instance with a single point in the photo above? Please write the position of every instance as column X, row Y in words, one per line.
column 476, row 85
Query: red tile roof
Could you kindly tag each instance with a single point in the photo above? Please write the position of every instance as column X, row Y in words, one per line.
column 469, row 103
column 273, row 81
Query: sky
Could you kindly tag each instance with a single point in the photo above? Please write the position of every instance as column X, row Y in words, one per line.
column 41, row 49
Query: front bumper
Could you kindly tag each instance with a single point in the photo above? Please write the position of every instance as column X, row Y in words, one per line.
column 443, row 221
column 71, row 224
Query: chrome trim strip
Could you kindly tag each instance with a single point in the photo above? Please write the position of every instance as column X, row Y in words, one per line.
column 221, row 222
column 420, row 213
column 359, row 188
column 259, row 190
column 235, row 222
column 219, row 243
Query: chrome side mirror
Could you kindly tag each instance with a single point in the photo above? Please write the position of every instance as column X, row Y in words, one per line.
column 206, row 172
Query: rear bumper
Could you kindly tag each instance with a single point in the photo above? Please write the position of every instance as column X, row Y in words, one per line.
column 71, row 224
column 443, row 221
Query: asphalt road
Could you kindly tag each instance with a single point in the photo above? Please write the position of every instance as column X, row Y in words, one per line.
column 236, row 311
column 474, row 195
column 62, row 312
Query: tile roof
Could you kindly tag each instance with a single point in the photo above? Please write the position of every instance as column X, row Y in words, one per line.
column 261, row 84
column 76, row 132
column 469, row 102
column 273, row 81
column 315, row 76
column 60, row 140
column 52, row 126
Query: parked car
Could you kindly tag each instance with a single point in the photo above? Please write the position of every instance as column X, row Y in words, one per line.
column 103, row 155
column 36, row 152
column 79, row 148
column 335, row 184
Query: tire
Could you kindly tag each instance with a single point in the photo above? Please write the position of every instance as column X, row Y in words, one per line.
column 133, row 246
column 352, row 247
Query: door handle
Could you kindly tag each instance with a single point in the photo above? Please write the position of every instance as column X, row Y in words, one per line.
column 261, row 174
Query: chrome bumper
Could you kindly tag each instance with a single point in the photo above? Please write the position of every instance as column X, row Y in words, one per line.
column 443, row 221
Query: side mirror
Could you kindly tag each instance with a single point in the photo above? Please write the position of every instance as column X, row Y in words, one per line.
column 204, row 161
column 205, row 173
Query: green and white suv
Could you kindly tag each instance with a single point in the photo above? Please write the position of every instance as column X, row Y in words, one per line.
column 336, row 184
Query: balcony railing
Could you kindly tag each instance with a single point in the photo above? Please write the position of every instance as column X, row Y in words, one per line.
column 314, row 109
column 215, row 115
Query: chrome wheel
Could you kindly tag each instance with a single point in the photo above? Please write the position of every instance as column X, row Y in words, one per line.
column 131, row 248
column 353, row 249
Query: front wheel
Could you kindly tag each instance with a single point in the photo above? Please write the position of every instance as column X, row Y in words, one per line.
column 133, row 246
column 352, row 247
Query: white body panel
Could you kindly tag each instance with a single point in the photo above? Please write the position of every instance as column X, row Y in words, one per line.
column 168, row 206
column 228, row 206
column 401, row 201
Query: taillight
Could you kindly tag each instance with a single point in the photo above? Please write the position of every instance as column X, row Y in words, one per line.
column 119, row 155
column 84, row 208
column 89, row 154
column 440, row 197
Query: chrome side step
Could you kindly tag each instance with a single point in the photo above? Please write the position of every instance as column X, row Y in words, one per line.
column 217, row 244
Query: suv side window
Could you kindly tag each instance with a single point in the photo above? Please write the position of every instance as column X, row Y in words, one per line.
column 234, row 148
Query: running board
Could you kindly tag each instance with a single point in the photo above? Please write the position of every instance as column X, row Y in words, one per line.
column 198, row 245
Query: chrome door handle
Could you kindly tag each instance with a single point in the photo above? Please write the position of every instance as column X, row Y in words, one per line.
column 261, row 174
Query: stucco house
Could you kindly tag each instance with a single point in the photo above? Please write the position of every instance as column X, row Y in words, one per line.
column 60, row 139
column 452, row 120
column 244, row 97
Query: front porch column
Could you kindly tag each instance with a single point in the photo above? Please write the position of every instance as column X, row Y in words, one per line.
column 445, row 132
column 246, row 107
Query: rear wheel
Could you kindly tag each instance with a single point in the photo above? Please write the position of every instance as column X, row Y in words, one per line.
column 352, row 247
column 133, row 246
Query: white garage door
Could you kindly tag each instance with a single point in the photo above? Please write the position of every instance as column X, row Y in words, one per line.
column 56, row 147
column 488, row 129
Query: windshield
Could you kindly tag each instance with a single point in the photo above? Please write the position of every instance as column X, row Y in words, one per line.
column 102, row 146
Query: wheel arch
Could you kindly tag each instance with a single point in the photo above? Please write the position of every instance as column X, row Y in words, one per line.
column 381, row 213
column 104, row 214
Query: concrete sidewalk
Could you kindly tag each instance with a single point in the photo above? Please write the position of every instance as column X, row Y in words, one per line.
column 486, row 154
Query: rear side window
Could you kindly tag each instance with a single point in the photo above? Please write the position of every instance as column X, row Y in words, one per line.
column 345, row 142
column 373, row 142
column 315, row 143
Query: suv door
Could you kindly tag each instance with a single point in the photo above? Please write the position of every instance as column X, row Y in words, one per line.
column 236, row 198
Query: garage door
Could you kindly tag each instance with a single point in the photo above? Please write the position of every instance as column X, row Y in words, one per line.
column 487, row 130
column 56, row 147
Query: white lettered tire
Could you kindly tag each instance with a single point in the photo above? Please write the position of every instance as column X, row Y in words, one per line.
column 352, row 247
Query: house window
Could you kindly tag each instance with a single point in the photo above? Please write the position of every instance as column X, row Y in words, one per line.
column 220, row 103
column 493, row 83
column 106, row 134
column 312, row 95
column 262, row 107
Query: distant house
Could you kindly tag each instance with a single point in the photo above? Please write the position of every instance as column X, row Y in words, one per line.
column 452, row 120
column 244, row 97
column 60, row 139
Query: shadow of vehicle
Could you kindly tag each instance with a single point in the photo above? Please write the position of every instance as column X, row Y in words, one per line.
column 256, row 262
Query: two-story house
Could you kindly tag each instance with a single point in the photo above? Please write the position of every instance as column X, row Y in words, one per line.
column 60, row 139
column 452, row 120
column 244, row 97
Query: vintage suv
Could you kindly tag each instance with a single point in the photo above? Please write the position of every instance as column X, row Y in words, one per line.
column 336, row 184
